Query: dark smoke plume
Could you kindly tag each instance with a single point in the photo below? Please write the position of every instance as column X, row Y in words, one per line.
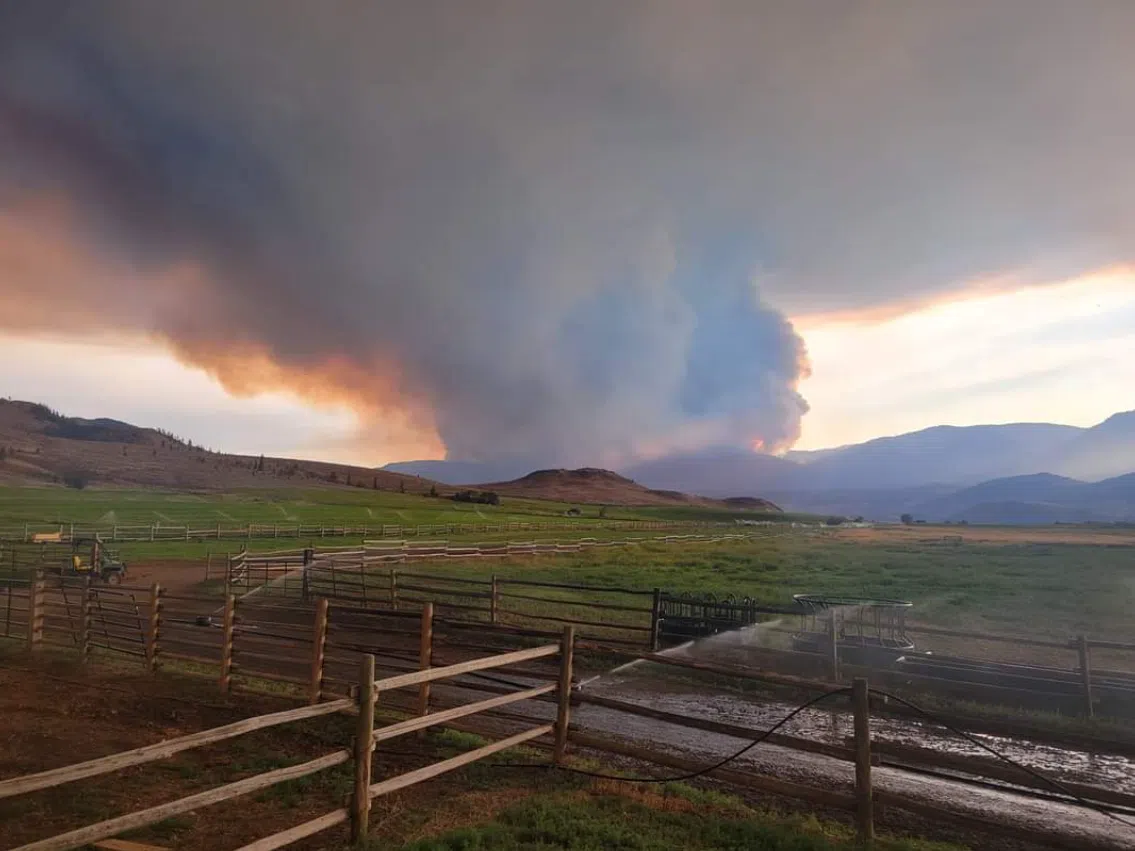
column 541, row 229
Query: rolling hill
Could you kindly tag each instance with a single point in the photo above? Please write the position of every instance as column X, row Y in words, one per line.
column 41, row 446
column 1036, row 489
column 1040, row 498
column 592, row 485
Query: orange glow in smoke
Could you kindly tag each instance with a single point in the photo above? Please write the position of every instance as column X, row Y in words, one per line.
column 57, row 284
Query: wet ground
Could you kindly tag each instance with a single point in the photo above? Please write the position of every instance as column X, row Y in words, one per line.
column 642, row 684
column 634, row 684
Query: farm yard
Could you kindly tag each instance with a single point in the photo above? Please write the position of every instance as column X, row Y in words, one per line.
column 976, row 593
column 995, row 579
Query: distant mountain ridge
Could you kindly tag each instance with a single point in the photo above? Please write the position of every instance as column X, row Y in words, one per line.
column 1036, row 472
column 940, row 455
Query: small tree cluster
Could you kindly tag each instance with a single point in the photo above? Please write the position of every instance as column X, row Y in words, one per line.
column 480, row 497
column 77, row 479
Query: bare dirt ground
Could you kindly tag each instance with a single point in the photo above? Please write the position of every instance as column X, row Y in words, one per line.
column 176, row 575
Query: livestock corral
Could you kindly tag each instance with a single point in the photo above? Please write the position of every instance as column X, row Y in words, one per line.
column 657, row 676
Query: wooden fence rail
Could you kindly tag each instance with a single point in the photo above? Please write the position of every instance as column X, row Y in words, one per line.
column 365, row 789
column 244, row 567
column 203, row 529
column 357, row 575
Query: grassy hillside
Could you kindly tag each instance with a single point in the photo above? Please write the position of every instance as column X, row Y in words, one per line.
column 42, row 446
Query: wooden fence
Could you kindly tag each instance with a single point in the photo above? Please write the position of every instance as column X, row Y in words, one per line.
column 368, row 576
column 1068, row 679
column 368, row 690
column 320, row 648
column 202, row 530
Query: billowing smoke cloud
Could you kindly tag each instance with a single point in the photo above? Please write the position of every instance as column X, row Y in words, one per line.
column 546, row 230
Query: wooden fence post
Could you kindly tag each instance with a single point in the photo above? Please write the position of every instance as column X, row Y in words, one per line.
column 305, row 579
column 1086, row 672
column 425, row 657
column 864, row 807
column 494, row 601
column 85, row 620
column 656, row 620
column 153, row 627
column 394, row 588
column 35, row 610
column 364, row 748
column 833, row 637
column 318, row 646
column 227, row 643
column 208, row 563
column 563, row 715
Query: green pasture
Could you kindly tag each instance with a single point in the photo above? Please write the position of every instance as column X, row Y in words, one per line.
column 355, row 507
column 1058, row 589
column 288, row 506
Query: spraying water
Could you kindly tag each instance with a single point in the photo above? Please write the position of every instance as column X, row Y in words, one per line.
column 710, row 647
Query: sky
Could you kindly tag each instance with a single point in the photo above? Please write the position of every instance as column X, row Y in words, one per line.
column 372, row 232
column 1036, row 349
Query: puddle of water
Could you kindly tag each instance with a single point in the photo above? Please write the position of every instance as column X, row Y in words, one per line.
column 645, row 687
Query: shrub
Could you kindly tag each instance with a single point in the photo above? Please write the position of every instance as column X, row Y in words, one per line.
column 479, row 497
column 77, row 479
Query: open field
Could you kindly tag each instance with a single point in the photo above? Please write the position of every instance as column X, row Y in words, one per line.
column 43, row 509
column 356, row 506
